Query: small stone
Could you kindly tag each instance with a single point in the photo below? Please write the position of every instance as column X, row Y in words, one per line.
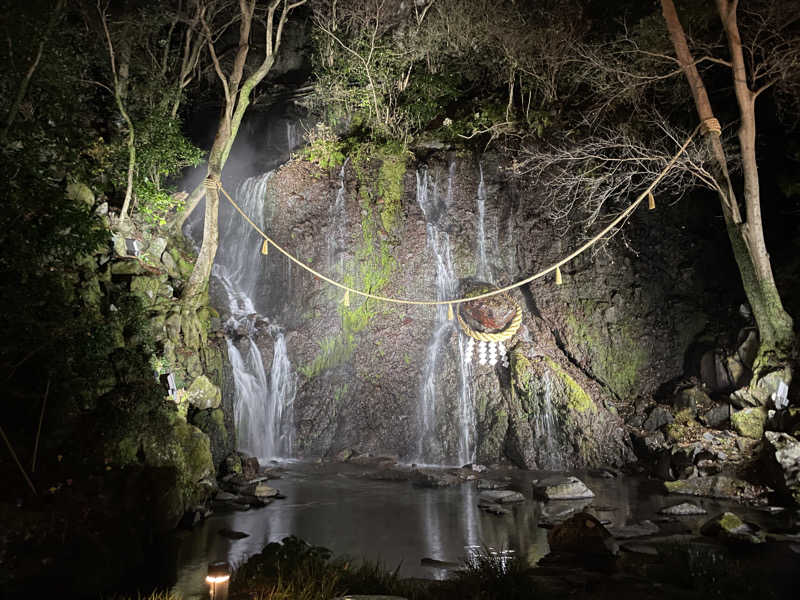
column 657, row 418
column 562, row 488
column 500, row 497
column 683, row 509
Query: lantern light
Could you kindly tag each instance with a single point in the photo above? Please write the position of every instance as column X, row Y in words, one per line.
column 219, row 574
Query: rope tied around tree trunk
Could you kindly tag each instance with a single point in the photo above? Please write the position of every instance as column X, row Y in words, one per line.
column 212, row 182
column 711, row 126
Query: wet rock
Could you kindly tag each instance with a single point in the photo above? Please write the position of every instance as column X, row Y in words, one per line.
column 582, row 534
column 491, row 484
column 717, row 416
column 438, row 564
column 500, row 497
column 730, row 527
column 749, row 422
column 232, row 534
column 781, row 459
column 553, row 514
column 250, row 467
column 262, row 490
column 634, row 530
column 373, row 460
column 561, row 488
column 434, row 478
column 494, row 509
column 716, row 486
column 225, row 497
column 657, row 418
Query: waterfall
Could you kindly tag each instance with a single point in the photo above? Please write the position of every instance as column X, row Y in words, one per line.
column 430, row 447
column 263, row 405
column 546, row 429
column 337, row 217
column 482, row 271
column 292, row 139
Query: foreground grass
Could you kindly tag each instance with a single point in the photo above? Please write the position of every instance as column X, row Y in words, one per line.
column 294, row 570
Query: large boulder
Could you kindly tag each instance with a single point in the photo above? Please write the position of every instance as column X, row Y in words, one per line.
column 781, row 458
column 203, row 395
column 749, row 422
column 184, row 450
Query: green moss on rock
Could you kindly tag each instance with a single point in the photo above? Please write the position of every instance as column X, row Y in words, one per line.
column 749, row 422
column 577, row 398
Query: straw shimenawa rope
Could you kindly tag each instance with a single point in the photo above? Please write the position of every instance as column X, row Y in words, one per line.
column 500, row 336
column 707, row 127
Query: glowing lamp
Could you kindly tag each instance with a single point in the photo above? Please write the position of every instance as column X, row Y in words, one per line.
column 219, row 574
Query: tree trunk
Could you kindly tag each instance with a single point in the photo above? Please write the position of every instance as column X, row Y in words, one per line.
column 26, row 80
column 747, row 239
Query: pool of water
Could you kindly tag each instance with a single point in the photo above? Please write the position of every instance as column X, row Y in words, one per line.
column 394, row 522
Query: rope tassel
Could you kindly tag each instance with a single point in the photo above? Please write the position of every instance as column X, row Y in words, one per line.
column 559, row 280
column 346, row 299
column 651, row 201
column 265, row 247
column 449, row 312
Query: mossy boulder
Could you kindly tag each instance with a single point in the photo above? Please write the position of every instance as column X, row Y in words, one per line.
column 186, row 450
column 203, row 395
column 80, row 193
column 553, row 422
column 749, row 422
column 717, row 486
column 729, row 526
column 212, row 423
column 146, row 288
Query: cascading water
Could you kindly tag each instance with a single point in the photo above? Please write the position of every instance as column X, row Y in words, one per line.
column 337, row 215
column 546, row 429
column 263, row 406
column 482, row 271
column 430, row 448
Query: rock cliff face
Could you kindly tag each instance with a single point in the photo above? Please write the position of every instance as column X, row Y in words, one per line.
column 388, row 378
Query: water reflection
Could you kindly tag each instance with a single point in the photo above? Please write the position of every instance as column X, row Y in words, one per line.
column 399, row 524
